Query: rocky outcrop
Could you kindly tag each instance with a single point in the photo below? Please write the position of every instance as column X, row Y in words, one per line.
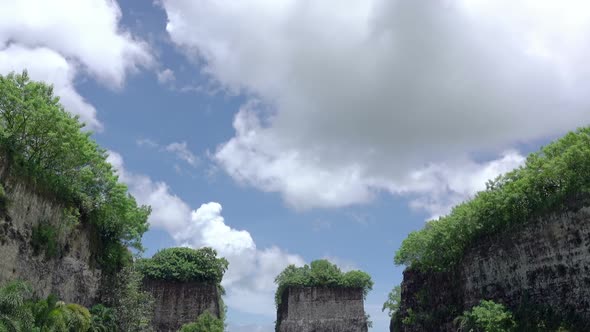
column 70, row 272
column 178, row 303
column 326, row 309
column 544, row 264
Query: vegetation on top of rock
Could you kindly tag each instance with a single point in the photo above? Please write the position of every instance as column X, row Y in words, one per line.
column 556, row 178
column 205, row 323
column 320, row 273
column 42, row 143
column 184, row 264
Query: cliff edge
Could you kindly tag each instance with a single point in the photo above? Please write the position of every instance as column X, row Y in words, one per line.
column 542, row 266
column 38, row 246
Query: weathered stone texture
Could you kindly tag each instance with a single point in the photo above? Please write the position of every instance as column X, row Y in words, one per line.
column 178, row 303
column 71, row 276
column 322, row 309
column 546, row 262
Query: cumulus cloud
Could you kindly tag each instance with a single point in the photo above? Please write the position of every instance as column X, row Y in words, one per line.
column 56, row 46
column 353, row 98
column 249, row 281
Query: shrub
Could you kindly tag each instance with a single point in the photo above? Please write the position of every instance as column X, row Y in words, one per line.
column 320, row 273
column 44, row 239
column 487, row 316
column 184, row 264
column 205, row 323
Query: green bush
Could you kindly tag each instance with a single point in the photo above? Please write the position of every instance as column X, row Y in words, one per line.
column 320, row 273
column 43, row 144
column 103, row 319
column 184, row 264
column 487, row 316
column 205, row 323
column 44, row 239
column 15, row 314
column 557, row 178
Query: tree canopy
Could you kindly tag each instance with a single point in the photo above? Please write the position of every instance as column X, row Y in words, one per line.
column 44, row 144
column 184, row 264
column 320, row 273
column 557, row 178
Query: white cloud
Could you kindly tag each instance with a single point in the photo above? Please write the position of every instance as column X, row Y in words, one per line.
column 166, row 76
column 357, row 97
column 181, row 150
column 58, row 40
column 249, row 281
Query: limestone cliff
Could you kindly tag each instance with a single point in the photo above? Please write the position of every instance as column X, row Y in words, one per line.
column 70, row 272
column 178, row 303
column 544, row 264
column 310, row 309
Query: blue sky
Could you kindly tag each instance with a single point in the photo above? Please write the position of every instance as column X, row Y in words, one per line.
column 280, row 132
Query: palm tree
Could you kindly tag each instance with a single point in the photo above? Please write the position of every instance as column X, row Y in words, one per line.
column 15, row 314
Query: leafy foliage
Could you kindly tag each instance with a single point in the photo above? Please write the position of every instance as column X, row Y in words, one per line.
column 44, row 239
column 487, row 316
column 44, row 144
column 15, row 315
column 553, row 179
column 205, row 323
column 19, row 312
column 184, row 264
column 133, row 307
column 103, row 319
column 393, row 302
column 320, row 273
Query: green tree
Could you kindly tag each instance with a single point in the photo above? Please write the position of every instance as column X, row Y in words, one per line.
column 205, row 323
column 15, row 314
column 487, row 316
column 133, row 307
column 393, row 302
column 44, row 144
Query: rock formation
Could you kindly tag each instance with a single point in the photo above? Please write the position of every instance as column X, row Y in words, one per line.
column 178, row 303
column 325, row 309
column 71, row 273
column 544, row 264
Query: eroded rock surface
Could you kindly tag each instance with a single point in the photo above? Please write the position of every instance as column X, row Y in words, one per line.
column 71, row 274
column 322, row 309
column 178, row 303
column 545, row 263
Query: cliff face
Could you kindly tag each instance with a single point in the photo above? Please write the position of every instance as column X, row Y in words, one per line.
column 178, row 303
column 310, row 309
column 69, row 273
column 545, row 264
